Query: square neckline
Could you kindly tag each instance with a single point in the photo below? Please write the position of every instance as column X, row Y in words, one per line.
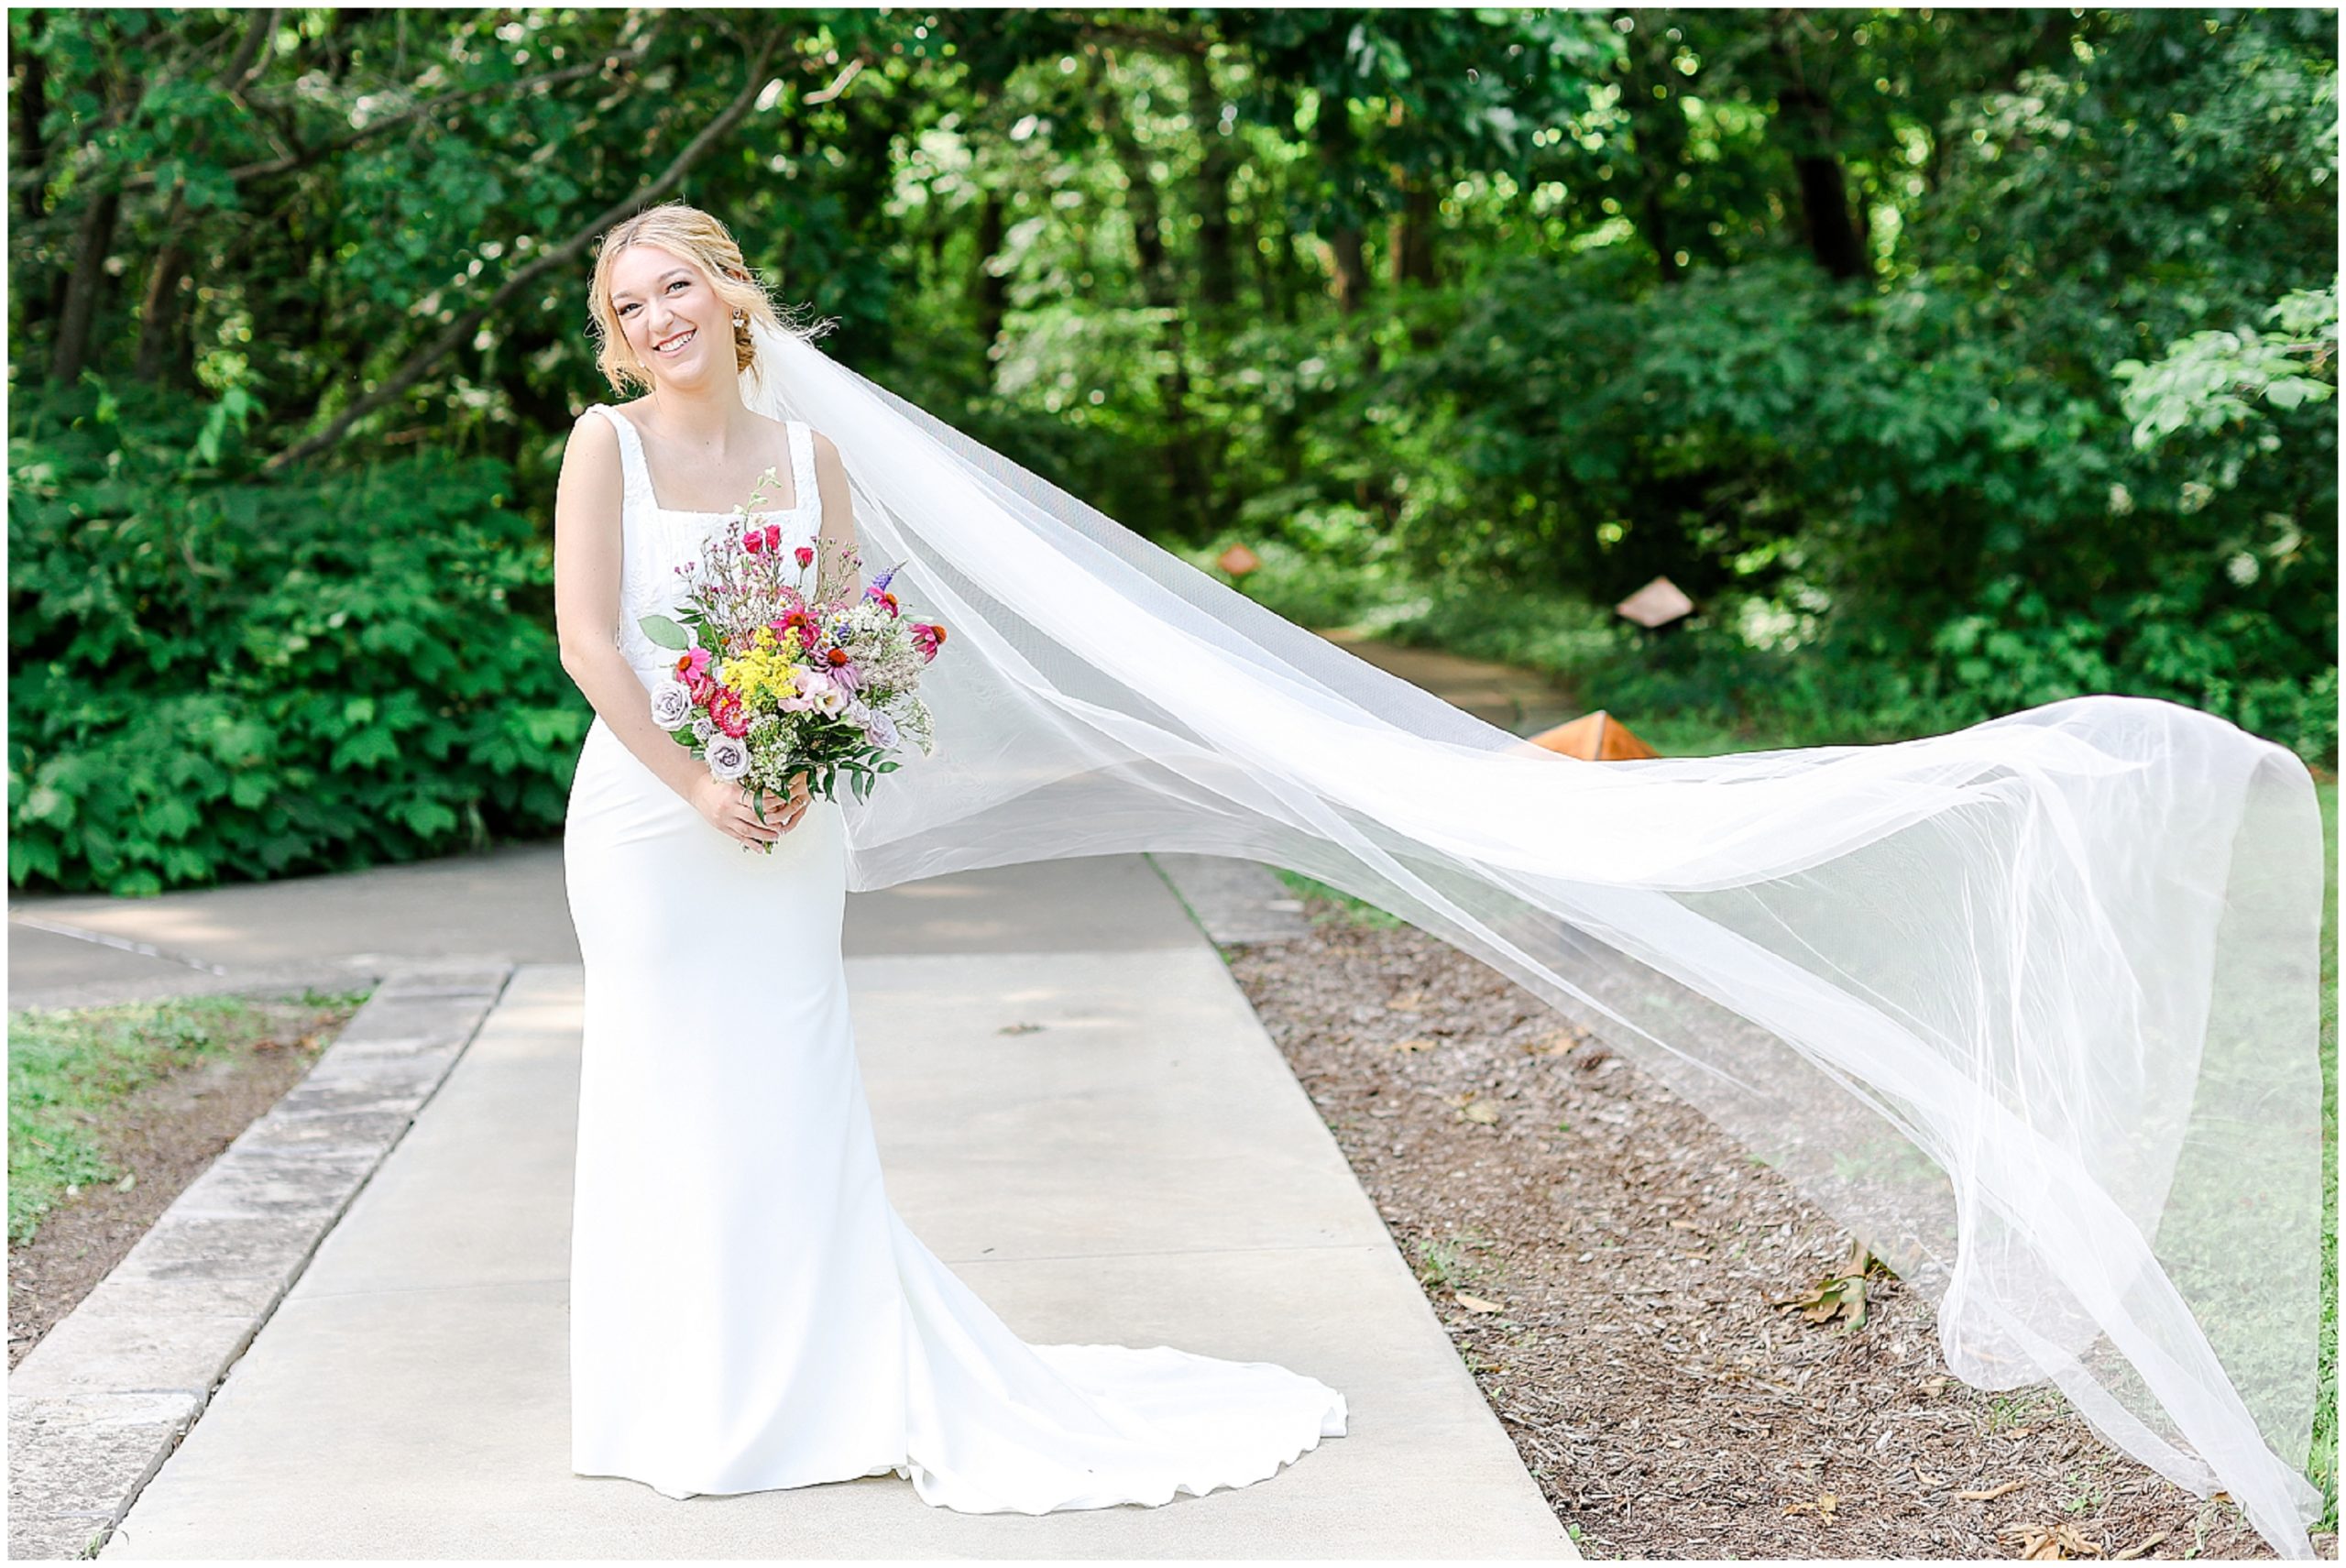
column 643, row 466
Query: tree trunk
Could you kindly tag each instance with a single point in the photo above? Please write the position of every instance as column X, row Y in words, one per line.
column 1217, row 163
column 159, row 310
column 1805, row 125
column 1413, row 231
column 1185, row 472
column 28, row 105
column 1825, row 203
column 989, row 292
column 1658, row 126
column 70, row 352
column 1348, row 266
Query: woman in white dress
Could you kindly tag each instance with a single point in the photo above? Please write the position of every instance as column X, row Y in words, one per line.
column 747, row 1310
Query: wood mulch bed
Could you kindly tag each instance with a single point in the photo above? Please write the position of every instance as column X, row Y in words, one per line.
column 1606, row 1260
column 165, row 1134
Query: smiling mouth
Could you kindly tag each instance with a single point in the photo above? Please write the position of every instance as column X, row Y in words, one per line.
column 674, row 344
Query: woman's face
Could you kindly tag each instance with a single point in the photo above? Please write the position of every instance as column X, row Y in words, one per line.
column 672, row 319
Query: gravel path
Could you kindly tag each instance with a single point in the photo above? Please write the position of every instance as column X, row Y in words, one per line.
column 1607, row 1263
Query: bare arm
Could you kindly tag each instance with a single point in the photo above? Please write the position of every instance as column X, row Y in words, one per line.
column 587, row 557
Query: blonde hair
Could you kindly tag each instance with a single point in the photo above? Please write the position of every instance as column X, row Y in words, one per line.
column 687, row 232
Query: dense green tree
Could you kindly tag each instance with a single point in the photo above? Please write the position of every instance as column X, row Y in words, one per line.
column 1951, row 360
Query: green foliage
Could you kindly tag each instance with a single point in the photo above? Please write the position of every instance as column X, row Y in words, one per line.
column 2212, row 380
column 69, row 1070
column 220, row 678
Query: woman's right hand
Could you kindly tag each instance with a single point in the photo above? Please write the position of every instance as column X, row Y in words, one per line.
column 727, row 806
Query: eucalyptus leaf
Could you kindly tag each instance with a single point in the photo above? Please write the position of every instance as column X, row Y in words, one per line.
column 666, row 632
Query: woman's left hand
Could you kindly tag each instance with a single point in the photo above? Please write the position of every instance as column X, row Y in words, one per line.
column 799, row 801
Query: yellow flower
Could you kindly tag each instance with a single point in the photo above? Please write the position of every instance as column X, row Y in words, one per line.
column 765, row 672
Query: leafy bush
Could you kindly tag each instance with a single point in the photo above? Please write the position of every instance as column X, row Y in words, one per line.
column 1703, row 686
column 217, row 677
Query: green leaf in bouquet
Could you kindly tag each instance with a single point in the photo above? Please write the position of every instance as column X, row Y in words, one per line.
column 666, row 632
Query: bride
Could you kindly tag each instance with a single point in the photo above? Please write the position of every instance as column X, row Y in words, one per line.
column 747, row 1311
column 2032, row 1007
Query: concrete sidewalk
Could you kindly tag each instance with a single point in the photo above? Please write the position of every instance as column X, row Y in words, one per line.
column 1140, row 1168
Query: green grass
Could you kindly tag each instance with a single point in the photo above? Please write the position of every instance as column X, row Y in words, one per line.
column 70, row 1070
column 1357, row 911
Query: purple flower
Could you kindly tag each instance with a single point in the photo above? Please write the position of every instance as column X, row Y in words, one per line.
column 672, row 705
column 727, row 756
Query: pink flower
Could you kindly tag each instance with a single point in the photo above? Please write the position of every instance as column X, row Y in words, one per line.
column 774, row 537
column 704, row 690
column 727, row 712
column 806, row 554
column 691, row 664
column 753, row 540
column 876, row 592
column 927, row 639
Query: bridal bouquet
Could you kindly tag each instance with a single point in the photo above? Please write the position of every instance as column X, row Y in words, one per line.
column 781, row 670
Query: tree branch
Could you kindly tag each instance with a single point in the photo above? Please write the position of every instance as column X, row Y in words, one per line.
column 251, row 59
column 304, row 155
column 461, row 329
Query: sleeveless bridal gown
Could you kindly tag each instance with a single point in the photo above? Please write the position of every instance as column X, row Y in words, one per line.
column 747, row 1311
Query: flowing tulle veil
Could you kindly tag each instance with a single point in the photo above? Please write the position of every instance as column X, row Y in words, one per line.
column 2031, row 1007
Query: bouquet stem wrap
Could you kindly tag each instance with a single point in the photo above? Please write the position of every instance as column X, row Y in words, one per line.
column 2032, row 1007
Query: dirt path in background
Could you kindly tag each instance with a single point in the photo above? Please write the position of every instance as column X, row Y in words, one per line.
column 165, row 1135
column 1609, row 1285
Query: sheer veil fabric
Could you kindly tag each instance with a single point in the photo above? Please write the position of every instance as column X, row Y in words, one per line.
column 2031, row 1007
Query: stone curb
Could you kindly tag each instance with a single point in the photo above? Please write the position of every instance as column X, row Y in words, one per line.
column 103, row 1398
column 1232, row 900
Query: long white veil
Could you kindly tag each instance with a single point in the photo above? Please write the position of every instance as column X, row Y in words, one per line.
column 2031, row 1007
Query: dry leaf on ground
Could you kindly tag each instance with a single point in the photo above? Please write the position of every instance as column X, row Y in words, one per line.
column 2048, row 1543
column 1992, row 1493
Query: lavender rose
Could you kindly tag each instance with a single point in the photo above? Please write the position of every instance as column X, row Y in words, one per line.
column 672, row 703
column 727, row 756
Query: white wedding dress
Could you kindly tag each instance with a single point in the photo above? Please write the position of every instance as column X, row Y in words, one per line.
column 747, row 1310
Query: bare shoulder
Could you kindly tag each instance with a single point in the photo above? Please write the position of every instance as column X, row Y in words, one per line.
column 592, row 465
column 825, row 453
column 591, row 434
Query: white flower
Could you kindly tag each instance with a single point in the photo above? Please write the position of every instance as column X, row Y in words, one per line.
column 727, row 756
column 672, row 703
column 703, row 728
